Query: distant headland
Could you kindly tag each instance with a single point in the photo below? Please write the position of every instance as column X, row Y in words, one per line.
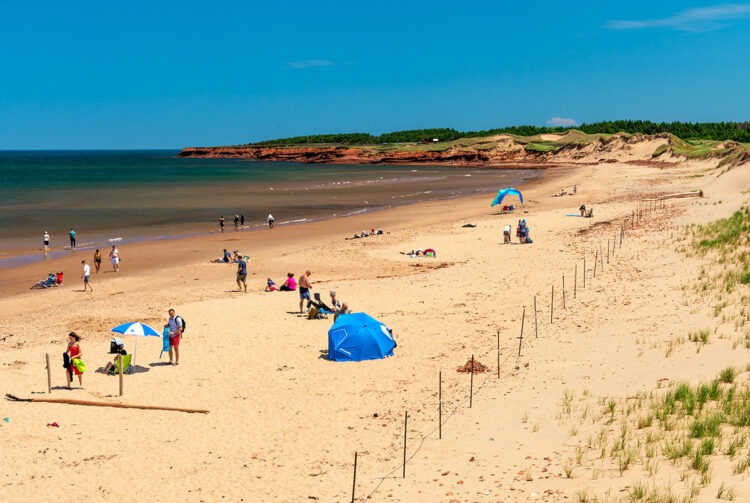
column 618, row 141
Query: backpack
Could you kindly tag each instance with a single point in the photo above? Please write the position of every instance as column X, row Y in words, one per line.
column 180, row 321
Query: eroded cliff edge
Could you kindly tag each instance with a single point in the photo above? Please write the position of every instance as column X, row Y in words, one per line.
column 569, row 147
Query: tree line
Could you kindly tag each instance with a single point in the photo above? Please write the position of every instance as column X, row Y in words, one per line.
column 720, row 131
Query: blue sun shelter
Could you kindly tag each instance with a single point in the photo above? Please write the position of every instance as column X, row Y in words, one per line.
column 358, row 336
column 505, row 192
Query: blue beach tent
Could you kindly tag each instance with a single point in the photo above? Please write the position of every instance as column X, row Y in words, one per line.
column 504, row 192
column 358, row 336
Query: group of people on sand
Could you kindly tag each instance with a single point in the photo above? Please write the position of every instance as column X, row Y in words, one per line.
column 564, row 192
column 52, row 279
column 522, row 233
column 55, row 279
column 365, row 234
column 305, row 285
column 229, row 258
column 73, row 355
column 419, row 252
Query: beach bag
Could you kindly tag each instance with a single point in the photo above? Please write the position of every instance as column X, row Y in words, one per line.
column 79, row 365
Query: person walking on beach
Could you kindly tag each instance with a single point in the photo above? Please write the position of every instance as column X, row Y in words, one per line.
column 97, row 259
column 236, row 222
column 73, row 353
column 221, row 223
column 304, row 289
column 242, row 220
column 85, row 275
column 241, row 274
column 72, row 235
column 506, row 234
column 114, row 257
column 45, row 240
column 270, row 221
column 175, row 325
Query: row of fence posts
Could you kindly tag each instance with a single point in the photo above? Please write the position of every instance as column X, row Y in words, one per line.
column 598, row 261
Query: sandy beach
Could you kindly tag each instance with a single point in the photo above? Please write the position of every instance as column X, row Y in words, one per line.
column 284, row 423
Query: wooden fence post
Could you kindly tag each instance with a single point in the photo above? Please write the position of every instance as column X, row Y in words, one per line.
column 49, row 374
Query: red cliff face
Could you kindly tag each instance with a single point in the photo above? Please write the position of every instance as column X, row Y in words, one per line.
column 490, row 151
column 345, row 155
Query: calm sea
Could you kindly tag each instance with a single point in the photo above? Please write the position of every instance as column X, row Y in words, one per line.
column 113, row 196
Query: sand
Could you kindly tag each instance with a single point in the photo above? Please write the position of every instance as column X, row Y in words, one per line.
column 285, row 423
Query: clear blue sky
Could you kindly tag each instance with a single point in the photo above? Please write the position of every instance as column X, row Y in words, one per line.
column 160, row 74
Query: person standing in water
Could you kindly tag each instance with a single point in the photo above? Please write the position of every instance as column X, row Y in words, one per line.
column 270, row 221
column 45, row 240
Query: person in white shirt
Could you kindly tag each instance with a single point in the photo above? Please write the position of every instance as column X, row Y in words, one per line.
column 270, row 221
column 45, row 239
column 85, row 275
column 506, row 234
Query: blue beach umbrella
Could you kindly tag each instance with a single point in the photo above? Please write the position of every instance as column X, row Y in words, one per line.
column 137, row 329
column 504, row 192
column 358, row 336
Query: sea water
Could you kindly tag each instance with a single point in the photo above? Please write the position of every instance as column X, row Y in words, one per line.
column 114, row 196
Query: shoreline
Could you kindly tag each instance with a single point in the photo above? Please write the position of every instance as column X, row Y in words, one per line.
column 14, row 259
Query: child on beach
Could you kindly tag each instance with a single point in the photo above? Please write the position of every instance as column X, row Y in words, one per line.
column 270, row 285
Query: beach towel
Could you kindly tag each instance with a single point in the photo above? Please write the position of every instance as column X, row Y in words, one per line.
column 165, row 341
column 79, row 365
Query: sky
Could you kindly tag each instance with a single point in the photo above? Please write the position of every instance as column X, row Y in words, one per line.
column 159, row 74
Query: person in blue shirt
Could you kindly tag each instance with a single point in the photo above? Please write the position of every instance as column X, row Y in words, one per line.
column 241, row 275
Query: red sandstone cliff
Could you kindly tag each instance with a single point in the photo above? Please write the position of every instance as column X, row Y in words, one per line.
column 569, row 147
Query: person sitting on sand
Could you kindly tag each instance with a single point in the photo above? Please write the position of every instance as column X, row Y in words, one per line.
column 290, row 285
column 49, row 281
column 223, row 260
column 344, row 309
column 270, row 285
column 335, row 303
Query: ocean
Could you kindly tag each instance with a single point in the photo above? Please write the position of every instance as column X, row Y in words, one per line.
column 120, row 196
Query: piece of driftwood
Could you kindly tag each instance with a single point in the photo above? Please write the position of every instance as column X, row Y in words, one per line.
column 692, row 193
column 71, row 401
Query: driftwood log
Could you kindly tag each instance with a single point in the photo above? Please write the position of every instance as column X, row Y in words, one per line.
column 71, row 401
column 692, row 193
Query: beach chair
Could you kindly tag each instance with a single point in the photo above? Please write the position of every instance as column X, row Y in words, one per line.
column 318, row 309
column 589, row 212
column 125, row 365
